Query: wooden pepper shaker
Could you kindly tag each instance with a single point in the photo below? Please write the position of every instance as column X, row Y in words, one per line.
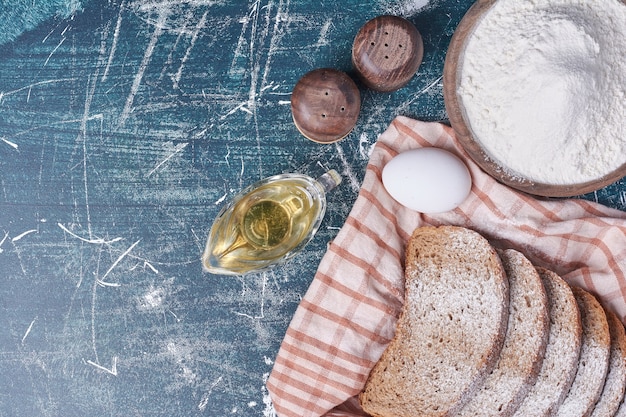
column 386, row 53
column 325, row 104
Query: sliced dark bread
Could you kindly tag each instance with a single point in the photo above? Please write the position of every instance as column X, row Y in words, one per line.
column 524, row 344
column 615, row 383
column 593, row 362
column 561, row 358
column 451, row 328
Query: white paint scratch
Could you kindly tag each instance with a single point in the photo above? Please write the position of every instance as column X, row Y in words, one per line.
column 53, row 51
column 237, row 108
column 174, row 315
column 152, row 268
column 116, row 35
column 203, row 402
column 6, row 235
column 198, row 241
column 221, row 199
column 144, row 265
column 347, row 169
column 192, row 43
column 323, row 38
column 269, row 86
column 365, row 148
column 254, row 65
column 205, row 398
column 147, row 56
column 201, row 133
column 20, row 236
column 102, row 281
column 112, row 371
column 30, row 86
column 94, row 292
column 82, row 137
column 107, row 284
column 8, row 142
column 420, row 93
column 241, row 41
column 48, row 35
column 227, row 156
column 83, row 119
column 277, row 34
column 182, row 31
column 428, row 87
column 177, row 149
column 29, row 329
column 98, row 241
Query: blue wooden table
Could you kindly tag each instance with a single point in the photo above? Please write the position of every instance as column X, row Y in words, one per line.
column 124, row 128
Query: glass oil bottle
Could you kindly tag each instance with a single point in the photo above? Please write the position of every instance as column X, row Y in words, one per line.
column 267, row 223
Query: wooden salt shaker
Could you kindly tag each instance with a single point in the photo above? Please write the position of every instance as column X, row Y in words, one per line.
column 386, row 53
column 325, row 104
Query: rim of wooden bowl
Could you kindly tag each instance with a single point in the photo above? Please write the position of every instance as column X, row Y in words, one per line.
column 458, row 121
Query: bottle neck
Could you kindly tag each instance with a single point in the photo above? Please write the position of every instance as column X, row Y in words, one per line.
column 329, row 180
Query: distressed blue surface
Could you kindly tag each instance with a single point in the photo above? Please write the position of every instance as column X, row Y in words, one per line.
column 19, row 16
column 123, row 130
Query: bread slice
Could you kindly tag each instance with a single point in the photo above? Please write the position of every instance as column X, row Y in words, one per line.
column 524, row 344
column 593, row 362
column 561, row 358
column 615, row 383
column 451, row 328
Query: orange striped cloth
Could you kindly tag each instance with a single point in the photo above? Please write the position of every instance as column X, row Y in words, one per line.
column 348, row 315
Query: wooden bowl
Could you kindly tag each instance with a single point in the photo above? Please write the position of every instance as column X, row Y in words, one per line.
column 460, row 124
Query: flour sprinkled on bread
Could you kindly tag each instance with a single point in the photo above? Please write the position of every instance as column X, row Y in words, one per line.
column 560, row 362
column 615, row 383
column 486, row 333
column 593, row 362
column 524, row 345
column 451, row 328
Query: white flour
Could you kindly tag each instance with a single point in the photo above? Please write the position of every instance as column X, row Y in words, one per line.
column 543, row 83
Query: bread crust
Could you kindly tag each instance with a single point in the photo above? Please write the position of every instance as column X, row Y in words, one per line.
column 454, row 352
column 441, row 351
column 593, row 362
column 561, row 359
column 615, row 384
column 524, row 345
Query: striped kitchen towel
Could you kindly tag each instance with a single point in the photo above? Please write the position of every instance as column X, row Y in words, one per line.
column 348, row 315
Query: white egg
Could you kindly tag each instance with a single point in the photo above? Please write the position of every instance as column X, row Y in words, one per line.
column 428, row 180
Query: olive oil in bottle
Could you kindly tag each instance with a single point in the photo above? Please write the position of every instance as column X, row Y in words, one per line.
column 267, row 223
